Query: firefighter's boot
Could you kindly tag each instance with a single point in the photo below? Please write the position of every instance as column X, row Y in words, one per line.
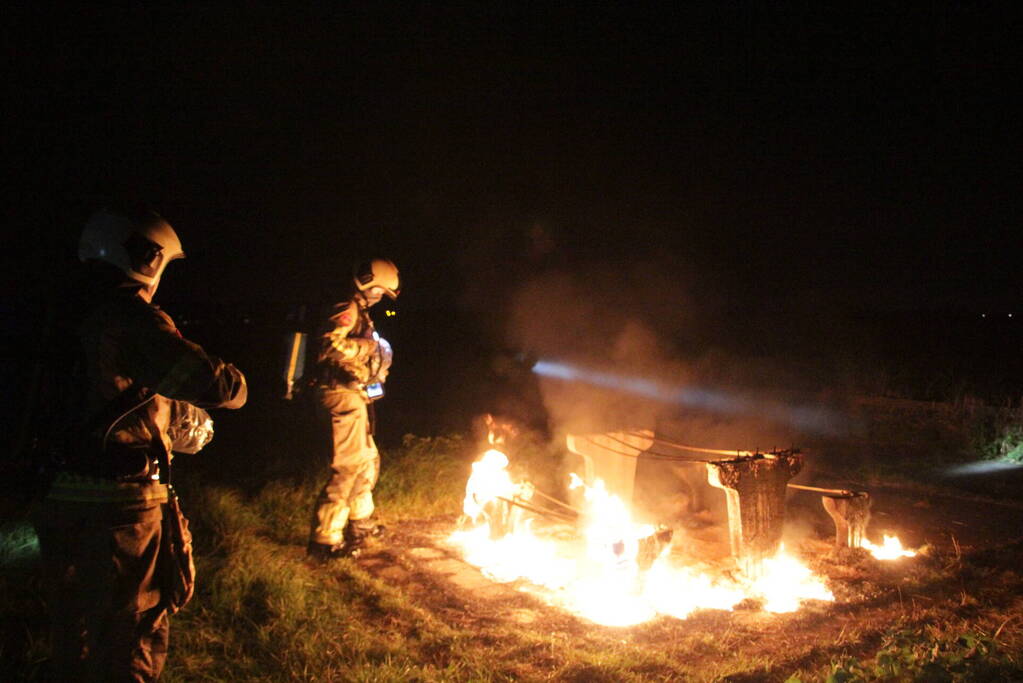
column 325, row 552
column 357, row 532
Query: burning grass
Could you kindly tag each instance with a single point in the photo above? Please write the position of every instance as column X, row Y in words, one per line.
column 412, row 609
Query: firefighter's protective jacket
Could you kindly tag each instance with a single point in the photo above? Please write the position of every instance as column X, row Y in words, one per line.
column 126, row 340
column 101, row 525
column 349, row 357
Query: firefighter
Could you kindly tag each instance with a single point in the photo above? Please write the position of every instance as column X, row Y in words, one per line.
column 100, row 523
column 352, row 364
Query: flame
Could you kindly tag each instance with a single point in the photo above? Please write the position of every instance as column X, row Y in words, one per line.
column 611, row 535
column 488, row 482
column 518, row 555
column 597, row 574
column 890, row 549
column 786, row 581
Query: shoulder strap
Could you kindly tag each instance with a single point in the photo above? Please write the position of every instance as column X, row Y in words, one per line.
column 119, row 407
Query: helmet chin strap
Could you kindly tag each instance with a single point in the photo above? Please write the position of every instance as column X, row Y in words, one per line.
column 149, row 291
column 365, row 301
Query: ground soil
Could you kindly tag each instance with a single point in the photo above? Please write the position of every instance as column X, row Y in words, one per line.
column 749, row 644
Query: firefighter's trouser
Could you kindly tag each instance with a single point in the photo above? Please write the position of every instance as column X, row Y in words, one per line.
column 354, row 467
column 99, row 564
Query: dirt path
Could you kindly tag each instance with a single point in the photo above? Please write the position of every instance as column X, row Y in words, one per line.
column 941, row 590
column 418, row 559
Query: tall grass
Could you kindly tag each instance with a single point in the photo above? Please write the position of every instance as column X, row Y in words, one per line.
column 1002, row 439
column 424, row 478
column 23, row 644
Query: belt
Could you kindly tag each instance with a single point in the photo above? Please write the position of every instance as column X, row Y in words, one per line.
column 80, row 488
column 117, row 463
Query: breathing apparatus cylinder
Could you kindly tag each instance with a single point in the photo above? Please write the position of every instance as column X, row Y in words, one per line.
column 294, row 362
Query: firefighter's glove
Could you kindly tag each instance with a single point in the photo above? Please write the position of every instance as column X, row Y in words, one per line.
column 190, row 428
column 384, row 357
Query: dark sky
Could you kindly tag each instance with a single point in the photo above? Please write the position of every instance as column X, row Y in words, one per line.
column 778, row 156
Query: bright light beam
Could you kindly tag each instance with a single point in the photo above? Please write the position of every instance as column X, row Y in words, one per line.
column 808, row 418
column 982, row 467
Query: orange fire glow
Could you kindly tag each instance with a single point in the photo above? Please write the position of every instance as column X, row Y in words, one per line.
column 595, row 570
column 890, row 549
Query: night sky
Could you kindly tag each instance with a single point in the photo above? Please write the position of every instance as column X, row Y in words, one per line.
column 781, row 156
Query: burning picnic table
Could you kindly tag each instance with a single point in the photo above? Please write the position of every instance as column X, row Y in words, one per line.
column 592, row 557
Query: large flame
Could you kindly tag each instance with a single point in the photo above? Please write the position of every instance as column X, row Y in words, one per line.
column 890, row 549
column 488, row 482
column 598, row 574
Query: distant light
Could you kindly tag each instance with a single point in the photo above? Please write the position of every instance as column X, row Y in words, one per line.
column 1010, row 315
column 983, row 315
column 390, row 313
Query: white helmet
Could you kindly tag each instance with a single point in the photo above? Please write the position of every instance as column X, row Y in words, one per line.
column 378, row 272
column 141, row 245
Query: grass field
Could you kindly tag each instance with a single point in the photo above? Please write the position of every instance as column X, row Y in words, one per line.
column 410, row 611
